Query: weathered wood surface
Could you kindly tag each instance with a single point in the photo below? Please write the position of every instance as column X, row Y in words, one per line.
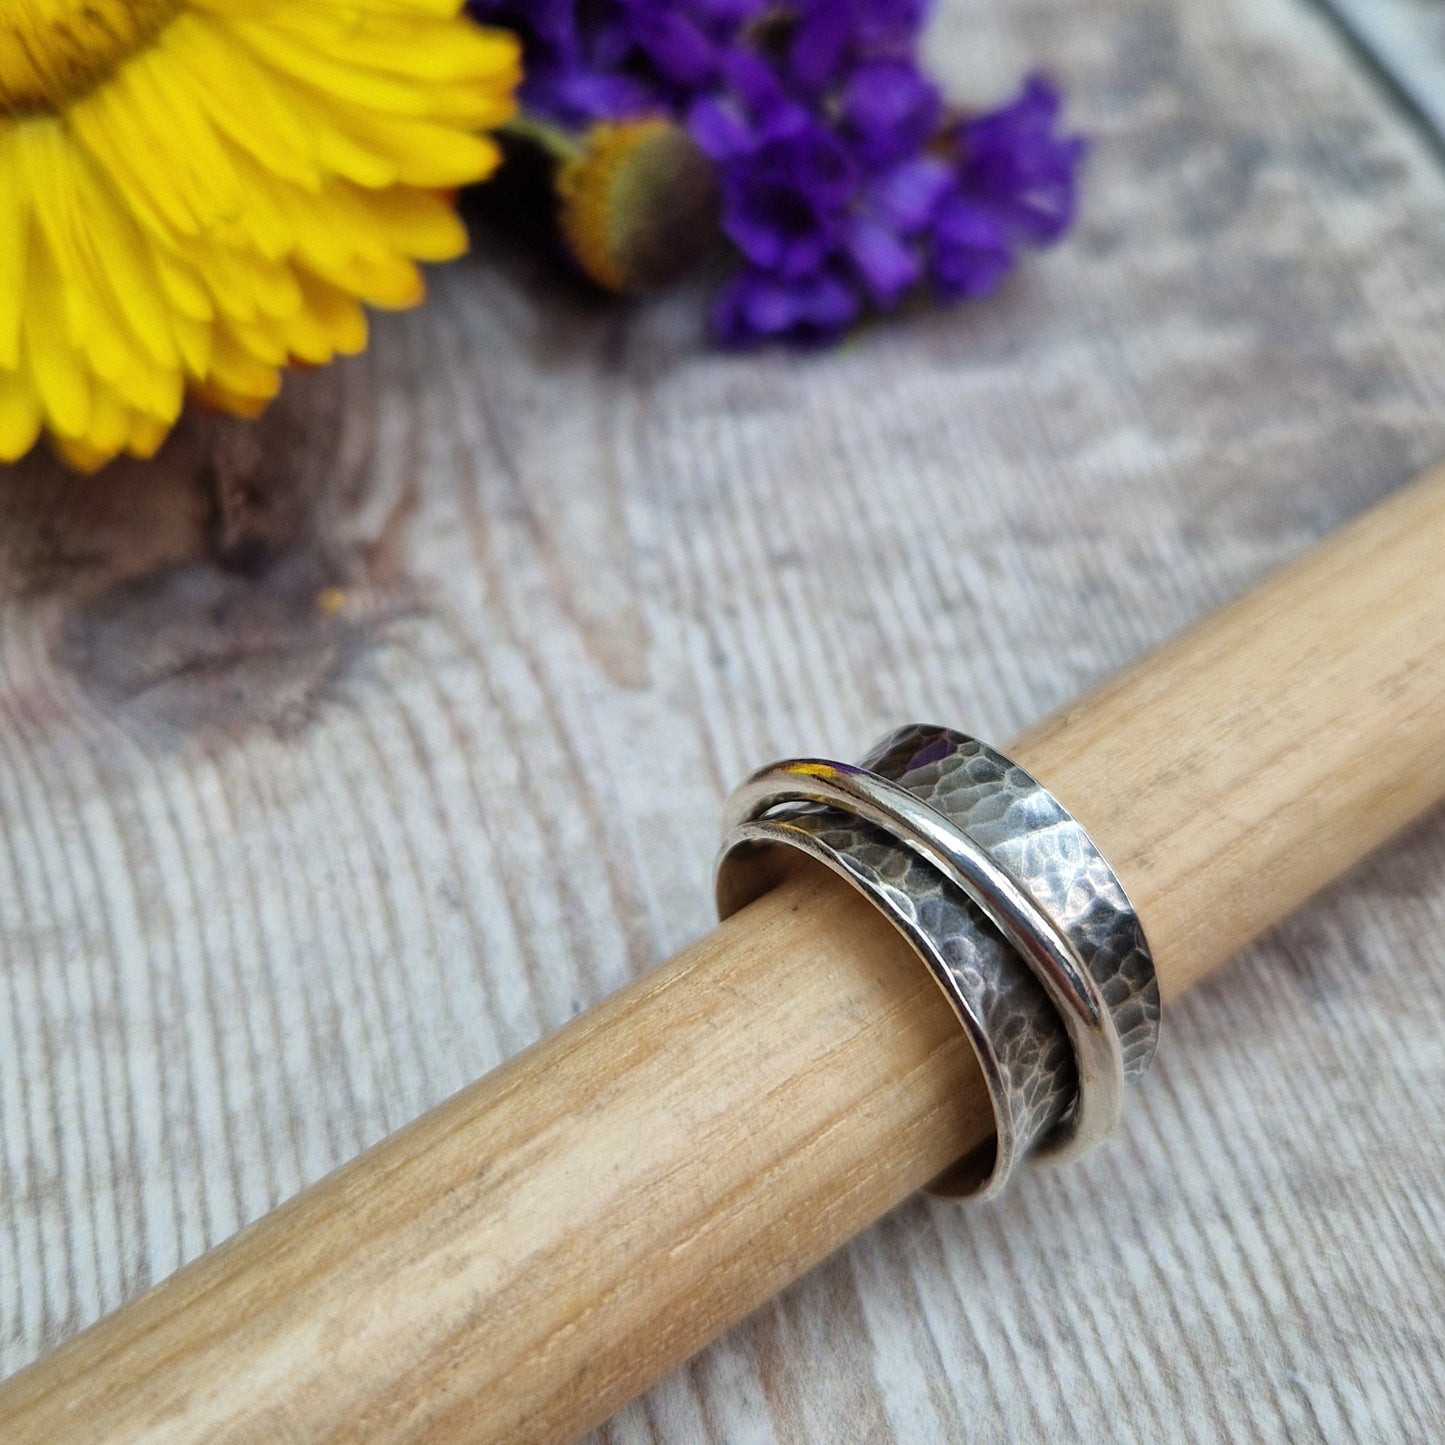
column 343, row 756
column 1405, row 39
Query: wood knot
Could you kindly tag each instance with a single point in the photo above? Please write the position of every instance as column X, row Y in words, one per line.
column 199, row 646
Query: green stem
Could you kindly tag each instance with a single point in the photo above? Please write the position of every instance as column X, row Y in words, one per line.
column 560, row 144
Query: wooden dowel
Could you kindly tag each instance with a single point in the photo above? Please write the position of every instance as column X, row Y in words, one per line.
column 530, row 1255
column 1260, row 754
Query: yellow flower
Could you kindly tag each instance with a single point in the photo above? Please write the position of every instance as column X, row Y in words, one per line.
column 195, row 193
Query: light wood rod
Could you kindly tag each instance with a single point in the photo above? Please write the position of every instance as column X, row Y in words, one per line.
column 533, row 1253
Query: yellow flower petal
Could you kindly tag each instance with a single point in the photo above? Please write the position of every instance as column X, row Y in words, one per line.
column 356, row 85
column 240, row 101
column 330, row 314
column 96, row 246
column 146, row 436
column 196, row 193
column 62, row 383
column 20, row 415
column 419, row 223
column 14, row 226
column 106, row 435
column 397, row 45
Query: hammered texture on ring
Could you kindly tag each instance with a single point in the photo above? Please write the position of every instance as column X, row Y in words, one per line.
column 1008, row 902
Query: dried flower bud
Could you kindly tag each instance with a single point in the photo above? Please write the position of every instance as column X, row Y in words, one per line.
column 639, row 204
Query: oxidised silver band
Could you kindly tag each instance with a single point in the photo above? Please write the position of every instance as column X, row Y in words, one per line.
column 948, row 837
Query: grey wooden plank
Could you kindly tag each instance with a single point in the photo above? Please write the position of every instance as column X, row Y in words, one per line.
column 1406, row 39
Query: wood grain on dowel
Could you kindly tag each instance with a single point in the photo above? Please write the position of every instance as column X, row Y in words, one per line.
column 525, row 1258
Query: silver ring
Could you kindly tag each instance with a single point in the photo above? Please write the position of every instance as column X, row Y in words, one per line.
column 1034, row 837
column 1027, row 1065
column 1033, row 931
column 999, row 837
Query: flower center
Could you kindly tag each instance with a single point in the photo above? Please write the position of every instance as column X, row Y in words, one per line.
column 54, row 50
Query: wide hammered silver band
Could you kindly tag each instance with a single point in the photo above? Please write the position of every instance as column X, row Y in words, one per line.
column 1016, row 913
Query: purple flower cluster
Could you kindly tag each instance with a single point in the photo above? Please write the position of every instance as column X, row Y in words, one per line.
column 847, row 186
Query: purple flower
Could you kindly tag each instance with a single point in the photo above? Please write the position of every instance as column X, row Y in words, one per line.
column 589, row 60
column 832, row 37
column 1015, row 185
column 971, row 253
column 844, row 186
column 890, row 110
column 1013, row 165
column 757, row 305
column 787, row 177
